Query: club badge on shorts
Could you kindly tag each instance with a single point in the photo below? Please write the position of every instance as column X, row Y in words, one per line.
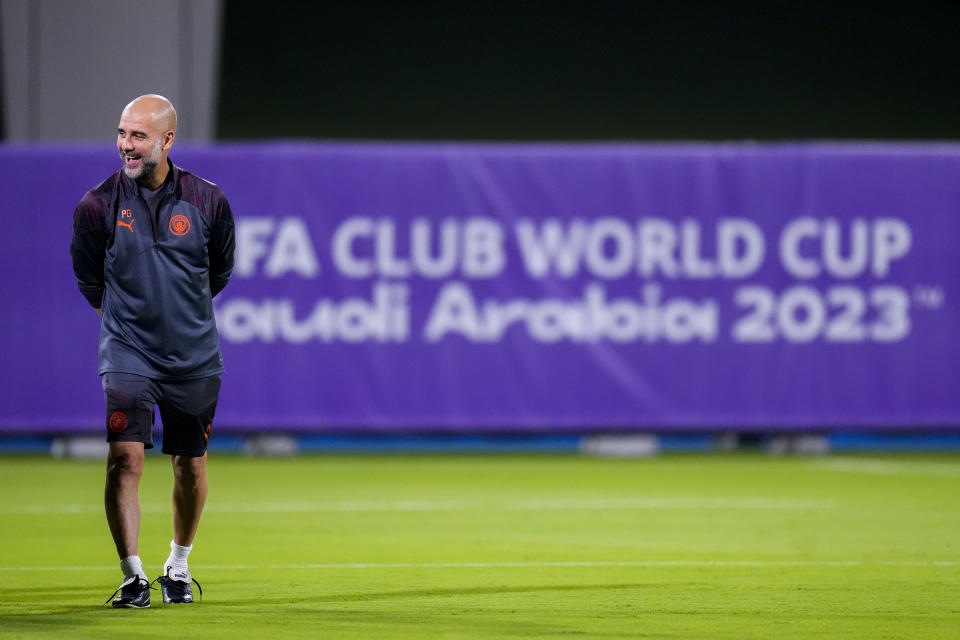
column 118, row 421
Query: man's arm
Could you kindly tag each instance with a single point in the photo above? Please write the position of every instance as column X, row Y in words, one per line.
column 88, row 248
column 221, row 246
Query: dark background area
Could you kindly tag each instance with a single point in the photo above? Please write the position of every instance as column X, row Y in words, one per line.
column 590, row 70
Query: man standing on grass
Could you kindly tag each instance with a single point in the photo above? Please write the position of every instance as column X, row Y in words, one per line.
column 152, row 244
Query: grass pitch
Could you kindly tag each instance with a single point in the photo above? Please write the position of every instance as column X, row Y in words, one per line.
column 698, row 546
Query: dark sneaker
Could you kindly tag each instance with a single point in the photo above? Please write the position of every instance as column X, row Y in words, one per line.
column 134, row 593
column 175, row 586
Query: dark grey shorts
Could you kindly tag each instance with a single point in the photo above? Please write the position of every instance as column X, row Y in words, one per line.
column 186, row 410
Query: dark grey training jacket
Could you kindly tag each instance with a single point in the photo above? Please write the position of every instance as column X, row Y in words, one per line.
column 154, row 278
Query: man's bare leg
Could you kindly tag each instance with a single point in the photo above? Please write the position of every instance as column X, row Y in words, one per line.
column 121, row 495
column 189, row 496
column 121, row 500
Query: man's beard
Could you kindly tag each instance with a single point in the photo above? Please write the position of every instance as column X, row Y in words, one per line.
column 144, row 175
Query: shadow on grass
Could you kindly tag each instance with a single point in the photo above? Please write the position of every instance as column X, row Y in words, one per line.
column 62, row 618
column 84, row 620
column 54, row 608
column 437, row 592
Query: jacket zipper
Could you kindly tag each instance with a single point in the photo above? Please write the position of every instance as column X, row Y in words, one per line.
column 154, row 218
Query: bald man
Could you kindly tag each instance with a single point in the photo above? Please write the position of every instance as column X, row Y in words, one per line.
column 152, row 244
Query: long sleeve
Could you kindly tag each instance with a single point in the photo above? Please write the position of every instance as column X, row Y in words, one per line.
column 88, row 248
column 221, row 247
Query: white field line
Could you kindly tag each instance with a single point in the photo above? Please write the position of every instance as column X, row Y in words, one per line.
column 762, row 564
column 585, row 504
column 890, row 467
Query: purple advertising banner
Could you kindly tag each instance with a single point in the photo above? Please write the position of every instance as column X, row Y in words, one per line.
column 531, row 288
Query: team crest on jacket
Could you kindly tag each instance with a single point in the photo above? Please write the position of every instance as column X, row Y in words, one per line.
column 118, row 421
column 179, row 225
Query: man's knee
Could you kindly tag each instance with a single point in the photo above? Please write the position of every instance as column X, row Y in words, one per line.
column 125, row 461
column 189, row 470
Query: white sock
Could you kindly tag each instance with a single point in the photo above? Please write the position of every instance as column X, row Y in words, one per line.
column 132, row 566
column 178, row 556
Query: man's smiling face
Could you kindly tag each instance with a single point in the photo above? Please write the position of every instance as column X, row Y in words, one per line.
column 140, row 141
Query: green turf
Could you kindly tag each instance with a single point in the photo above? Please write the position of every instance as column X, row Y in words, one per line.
column 683, row 546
